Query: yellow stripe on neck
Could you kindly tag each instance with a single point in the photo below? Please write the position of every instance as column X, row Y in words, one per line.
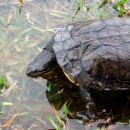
column 71, row 79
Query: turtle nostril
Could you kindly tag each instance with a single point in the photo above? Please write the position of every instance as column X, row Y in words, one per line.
column 28, row 72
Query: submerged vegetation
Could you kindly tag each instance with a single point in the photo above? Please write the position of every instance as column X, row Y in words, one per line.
column 24, row 25
column 3, row 83
column 117, row 5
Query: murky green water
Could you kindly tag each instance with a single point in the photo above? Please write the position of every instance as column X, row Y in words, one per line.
column 22, row 37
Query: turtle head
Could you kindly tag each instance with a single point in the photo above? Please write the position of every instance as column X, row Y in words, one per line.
column 42, row 63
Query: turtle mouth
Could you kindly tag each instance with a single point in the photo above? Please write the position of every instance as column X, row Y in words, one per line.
column 37, row 73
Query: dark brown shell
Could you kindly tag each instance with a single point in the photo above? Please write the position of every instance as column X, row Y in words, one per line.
column 96, row 54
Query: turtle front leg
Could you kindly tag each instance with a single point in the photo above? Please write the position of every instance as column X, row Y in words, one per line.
column 85, row 93
column 90, row 106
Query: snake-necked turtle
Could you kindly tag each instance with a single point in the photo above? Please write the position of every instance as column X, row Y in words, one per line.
column 93, row 54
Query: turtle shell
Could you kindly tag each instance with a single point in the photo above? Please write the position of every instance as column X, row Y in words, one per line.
column 96, row 54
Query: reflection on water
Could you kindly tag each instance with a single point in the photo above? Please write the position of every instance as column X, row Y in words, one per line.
column 22, row 37
column 112, row 107
column 71, row 96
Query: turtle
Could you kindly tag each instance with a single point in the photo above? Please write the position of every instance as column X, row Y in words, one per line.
column 91, row 54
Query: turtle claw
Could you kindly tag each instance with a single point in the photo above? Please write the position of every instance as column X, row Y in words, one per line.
column 101, row 125
column 85, row 94
column 90, row 115
column 90, row 106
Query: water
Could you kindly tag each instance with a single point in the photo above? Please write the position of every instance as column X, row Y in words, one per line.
column 22, row 37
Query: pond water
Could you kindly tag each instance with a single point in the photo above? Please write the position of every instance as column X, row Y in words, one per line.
column 25, row 105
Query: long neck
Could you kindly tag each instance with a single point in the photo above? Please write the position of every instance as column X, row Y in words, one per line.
column 56, row 76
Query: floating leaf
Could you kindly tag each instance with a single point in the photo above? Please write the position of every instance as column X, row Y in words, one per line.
column 7, row 103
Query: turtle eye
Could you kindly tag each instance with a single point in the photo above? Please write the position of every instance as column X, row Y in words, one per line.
column 35, row 71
